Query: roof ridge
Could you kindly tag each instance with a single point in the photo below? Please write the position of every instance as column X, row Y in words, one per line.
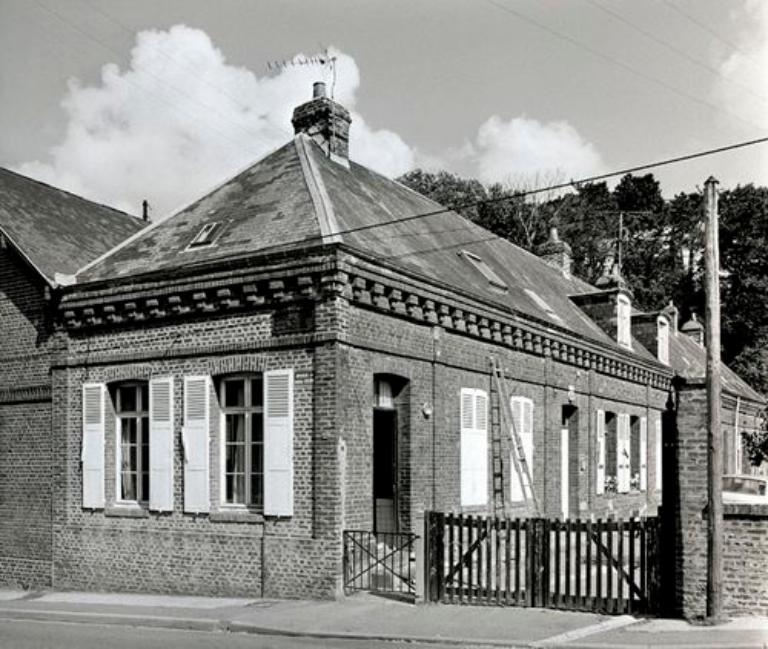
column 69, row 193
column 321, row 201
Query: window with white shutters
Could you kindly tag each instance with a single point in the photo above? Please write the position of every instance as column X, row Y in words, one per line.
column 601, row 455
column 242, row 406
column 195, row 438
column 92, row 451
column 474, row 447
column 522, row 416
column 643, row 453
column 623, row 477
column 131, row 402
column 161, row 444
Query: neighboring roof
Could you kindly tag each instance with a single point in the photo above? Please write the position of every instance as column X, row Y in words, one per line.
column 55, row 231
column 689, row 360
column 297, row 194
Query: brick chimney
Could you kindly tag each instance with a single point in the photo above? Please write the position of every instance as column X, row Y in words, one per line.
column 694, row 330
column 556, row 253
column 326, row 122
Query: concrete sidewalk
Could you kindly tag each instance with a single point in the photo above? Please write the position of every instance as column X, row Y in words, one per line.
column 368, row 617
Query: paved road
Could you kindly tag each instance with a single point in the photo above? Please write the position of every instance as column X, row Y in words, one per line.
column 21, row 634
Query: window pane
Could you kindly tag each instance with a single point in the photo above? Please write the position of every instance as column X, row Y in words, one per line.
column 235, row 488
column 257, row 490
column 128, row 482
column 128, row 428
column 127, row 399
column 257, row 428
column 257, row 391
column 235, row 458
column 145, row 397
column 144, row 486
column 235, row 429
column 234, row 393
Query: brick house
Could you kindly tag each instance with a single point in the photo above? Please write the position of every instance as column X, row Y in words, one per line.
column 292, row 355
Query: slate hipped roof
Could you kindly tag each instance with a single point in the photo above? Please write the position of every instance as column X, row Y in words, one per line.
column 298, row 196
column 55, row 231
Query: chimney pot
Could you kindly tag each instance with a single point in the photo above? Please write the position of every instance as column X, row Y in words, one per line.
column 326, row 122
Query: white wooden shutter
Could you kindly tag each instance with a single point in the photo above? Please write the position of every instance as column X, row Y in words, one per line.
column 92, row 451
column 161, row 444
column 474, row 447
column 600, row 473
column 278, row 443
column 643, row 453
column 194, row 435
column 658, row 453
column 623, row 454
column 522, row 414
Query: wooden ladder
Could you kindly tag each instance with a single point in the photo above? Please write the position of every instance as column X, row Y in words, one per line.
column 518, row 450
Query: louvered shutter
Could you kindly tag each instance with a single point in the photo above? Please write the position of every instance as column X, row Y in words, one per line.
column 195, row 439
column 92, row 451
column 643, row 453
column 600, row 473
column 522, row 413
column 516, row 487
column 474, row 447
column 278, row 443
column 658, row 453
column 161, row 444
column 622, row 454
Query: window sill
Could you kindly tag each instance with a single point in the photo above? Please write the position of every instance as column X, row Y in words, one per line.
column 236, row 516
column 126, row 511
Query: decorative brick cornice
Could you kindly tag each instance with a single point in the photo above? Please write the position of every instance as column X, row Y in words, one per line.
column 393, row 297
column 237, row 295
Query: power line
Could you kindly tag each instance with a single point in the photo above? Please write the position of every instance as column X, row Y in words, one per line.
column 616, row 62
column 675, row 49
column 514, row 196
column 704, row 27
column 566, row 185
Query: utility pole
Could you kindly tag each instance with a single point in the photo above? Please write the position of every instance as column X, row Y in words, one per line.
column 715, row 433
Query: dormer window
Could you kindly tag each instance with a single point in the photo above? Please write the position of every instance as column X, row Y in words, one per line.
column 479, row 263
column 206, row 236
column 662, row 339
column 542, row 304
column 623, row 316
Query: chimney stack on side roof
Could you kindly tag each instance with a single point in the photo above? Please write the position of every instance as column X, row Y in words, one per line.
column 326, row 122
column 694, row 330
column 556, row 253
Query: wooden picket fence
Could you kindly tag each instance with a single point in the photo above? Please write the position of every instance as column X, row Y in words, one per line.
column 609, row 566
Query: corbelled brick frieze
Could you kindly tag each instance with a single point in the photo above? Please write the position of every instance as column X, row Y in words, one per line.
column 363, row 288
column 377, row 294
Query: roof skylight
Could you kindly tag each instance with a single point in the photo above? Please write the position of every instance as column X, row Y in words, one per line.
column 206, row 236
column 542, row 304
column 479, row 263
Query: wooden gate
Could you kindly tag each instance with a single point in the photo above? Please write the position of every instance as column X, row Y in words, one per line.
column 608, row 566
column 380, row 562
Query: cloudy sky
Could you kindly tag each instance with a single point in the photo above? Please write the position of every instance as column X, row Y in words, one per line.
column 120, row 100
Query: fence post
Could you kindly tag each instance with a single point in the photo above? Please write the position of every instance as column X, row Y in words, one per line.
column 420, row 546
column 434, row 555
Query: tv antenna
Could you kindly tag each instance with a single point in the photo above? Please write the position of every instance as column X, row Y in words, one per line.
column 323, row 59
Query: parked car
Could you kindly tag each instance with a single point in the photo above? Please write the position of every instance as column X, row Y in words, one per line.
column 745, row 489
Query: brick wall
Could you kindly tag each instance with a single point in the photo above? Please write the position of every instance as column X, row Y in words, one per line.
column 25, row 421
column 745, row 559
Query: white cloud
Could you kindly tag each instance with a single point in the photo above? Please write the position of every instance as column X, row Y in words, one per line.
column 743, row 86
column 522, row 147
column 180, row 119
